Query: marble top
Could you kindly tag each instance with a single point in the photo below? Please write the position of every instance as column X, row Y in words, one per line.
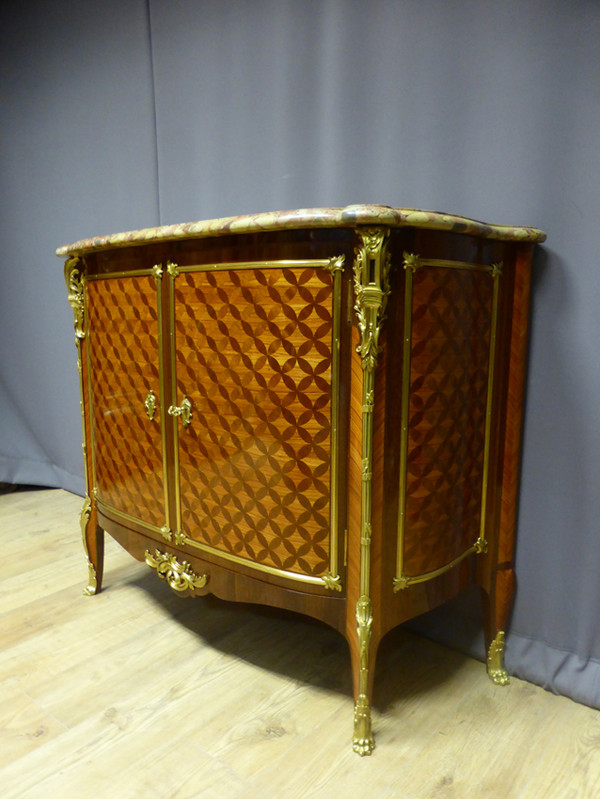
column 349, row 216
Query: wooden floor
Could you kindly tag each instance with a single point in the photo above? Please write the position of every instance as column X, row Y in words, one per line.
column 139, row 693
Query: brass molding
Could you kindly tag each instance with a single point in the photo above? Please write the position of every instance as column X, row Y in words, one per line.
column 179, row 538
column 332, row 579
column 480, row 546
column 180, row 576
column 92, row 586
column 495, row 271
column 412, row 262
column 172, row 271
column 182, row 539
column 371, row 271
column 158, row 272
column 155, row 272
column 75, row 280
column 166, row 533
column 335, row 264
column 371, row 287
column 120, row 516
column 332, row 582
column 495, row 661
column 402, row 582
column 362, row 739
column 86, row 511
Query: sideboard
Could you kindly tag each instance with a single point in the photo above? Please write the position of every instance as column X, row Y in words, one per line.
column 318, row 410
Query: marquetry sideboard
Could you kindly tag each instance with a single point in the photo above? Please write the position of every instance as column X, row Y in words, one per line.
column 318, row 410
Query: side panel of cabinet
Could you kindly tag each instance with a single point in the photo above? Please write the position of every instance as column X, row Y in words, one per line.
column 124, row 376
column 449, row 341
column 255, row 352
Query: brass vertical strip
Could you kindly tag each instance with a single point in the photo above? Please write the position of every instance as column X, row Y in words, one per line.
column 371, row 271
column 495, row 272
column 332, row 580
column 82, row 407
column 173, row 272
column 158, row 274
column 88, row 378
column 75, row 279
column 411, row 264
column 79, row 336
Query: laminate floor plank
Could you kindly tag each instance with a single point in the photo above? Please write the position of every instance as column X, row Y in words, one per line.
column 24, row 726
column 139, row 693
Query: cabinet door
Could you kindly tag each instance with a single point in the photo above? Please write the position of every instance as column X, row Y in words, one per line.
column 124, row 384
column 256, row 354
column 450, row 331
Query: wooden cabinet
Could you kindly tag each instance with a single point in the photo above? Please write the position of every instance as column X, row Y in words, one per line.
column 317, row 410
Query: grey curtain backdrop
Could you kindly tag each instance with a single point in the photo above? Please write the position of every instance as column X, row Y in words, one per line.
column 118, row 115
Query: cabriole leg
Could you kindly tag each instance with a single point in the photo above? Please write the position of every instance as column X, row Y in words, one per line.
column 496, row 611
column 93, row 544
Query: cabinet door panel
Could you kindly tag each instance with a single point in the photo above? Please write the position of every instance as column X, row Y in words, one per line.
column 123, row 335
column 254, row 355
column 449, row 367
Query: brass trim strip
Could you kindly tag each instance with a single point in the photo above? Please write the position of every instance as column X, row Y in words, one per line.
column 495, row 271
column 228, row 266
column 413, row 262
column 109, row 510
column 444, row 263
column 126, row 273
column 404, row 581
column 333, row 579
column 93, row 487
column 303, row 578
column 158, row 274
column 173, row 271
column 404, row 413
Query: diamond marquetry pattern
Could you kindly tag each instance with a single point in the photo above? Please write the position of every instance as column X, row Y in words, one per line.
column 447, row 412
column 123, row 340
column 253, row 353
